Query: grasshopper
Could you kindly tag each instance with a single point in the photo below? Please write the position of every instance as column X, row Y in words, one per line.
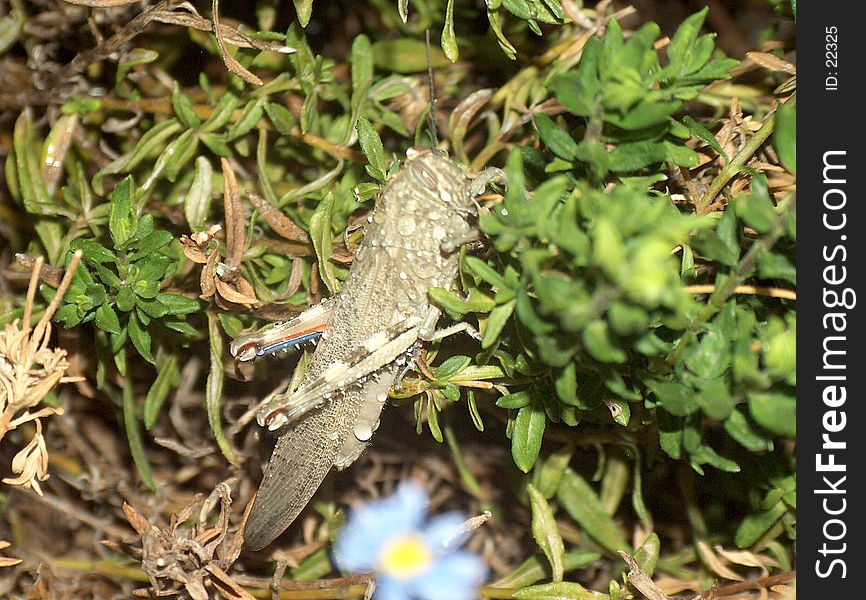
column 367, row 334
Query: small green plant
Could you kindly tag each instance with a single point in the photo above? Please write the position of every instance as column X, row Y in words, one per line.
column 120, row 288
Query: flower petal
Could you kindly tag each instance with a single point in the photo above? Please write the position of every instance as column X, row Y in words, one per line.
column 373, row 526
column 445, row 532
column 388, row 588
column 456, row 576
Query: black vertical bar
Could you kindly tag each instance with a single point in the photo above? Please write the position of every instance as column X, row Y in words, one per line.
column 830, row 254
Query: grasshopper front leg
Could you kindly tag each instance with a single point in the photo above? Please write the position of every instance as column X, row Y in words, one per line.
column 307, row 326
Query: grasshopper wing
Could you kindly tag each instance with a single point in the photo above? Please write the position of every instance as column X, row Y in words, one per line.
column 306, row 452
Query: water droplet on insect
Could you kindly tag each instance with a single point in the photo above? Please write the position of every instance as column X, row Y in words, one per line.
column 406, row 225
column 504, row 212
column 362, row 431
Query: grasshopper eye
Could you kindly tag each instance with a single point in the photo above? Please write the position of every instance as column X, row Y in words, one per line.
column 423, row 176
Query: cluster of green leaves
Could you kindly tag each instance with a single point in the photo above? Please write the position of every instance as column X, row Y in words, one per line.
column 585, row 296
column 118, row 287
column 626, row 99
column 444, row 14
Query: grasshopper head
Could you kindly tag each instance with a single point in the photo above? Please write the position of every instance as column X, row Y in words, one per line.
column 437, row 176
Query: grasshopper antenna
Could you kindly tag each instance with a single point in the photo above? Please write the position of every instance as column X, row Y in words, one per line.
column 431, row 116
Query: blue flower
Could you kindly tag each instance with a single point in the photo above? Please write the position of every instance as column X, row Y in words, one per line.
column 412, row 560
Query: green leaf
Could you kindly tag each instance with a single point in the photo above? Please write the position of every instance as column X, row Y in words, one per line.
column 152, row 142
column 715, row 399
column 196, row 205
column 167, row 378
column 174, row 158
column 451, row 366
column 514, row 401
column 134, row 58
column 106, row 319
column 527, row 435
column 406, row 55
column 150, row 244
column 93, row 252
column 486, row 272
column 125, row 299
column 557, row 141
column 140, row 338
column 558, row 591
column 151, row 307
column 746, row 434
column 222, row 112
column 371, row 144
column 533, row 570
column 180, row 305
column 785, row 136
column 676, row 398
column 449, row 40
column 133, row 435
column 184, row 109
column 681, row 50
column 775, row 412
column 580, row 501
column 757, row 524
column 647, row 556
column 681, row 156
column 780, row 353
column 705, row 135
column 280, row 116
column 599, row 345
column 146, row 288
column 644, row 115
column 710, row 245
column 121, row 222
column 636, row 155
column 214, row 388
column 182, row 327
column 776, row 266
column 249, row 118
column 30, row 184
column 756, row 209
column 496, row 323
column 362, row 78
column 579, row 90
column 304, row 9
column 217, row 144
column 11, row 26
column 320, row 234
column 711, row 357
column 546, row 532
column 706, row 455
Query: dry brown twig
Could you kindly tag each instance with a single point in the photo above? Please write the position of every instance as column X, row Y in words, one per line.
column 191, row 559
column 221, row 280
column 29, row 370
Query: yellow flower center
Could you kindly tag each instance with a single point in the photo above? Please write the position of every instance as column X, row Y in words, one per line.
column 405, row 557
